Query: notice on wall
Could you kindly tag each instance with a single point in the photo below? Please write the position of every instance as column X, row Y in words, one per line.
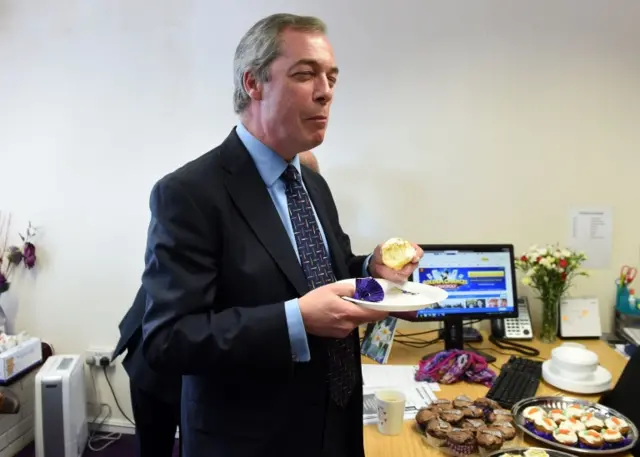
column 591, row 231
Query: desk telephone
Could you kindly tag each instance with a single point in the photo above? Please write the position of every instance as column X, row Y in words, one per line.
column 517, row 328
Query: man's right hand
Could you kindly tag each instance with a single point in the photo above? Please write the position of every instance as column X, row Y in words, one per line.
column 326, row 313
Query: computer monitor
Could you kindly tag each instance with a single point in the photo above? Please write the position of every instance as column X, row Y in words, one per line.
column 480, row 280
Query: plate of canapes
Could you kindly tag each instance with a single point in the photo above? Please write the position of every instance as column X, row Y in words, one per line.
column 575, row 426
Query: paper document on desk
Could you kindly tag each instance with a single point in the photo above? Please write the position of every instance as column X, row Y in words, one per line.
column 394, row 377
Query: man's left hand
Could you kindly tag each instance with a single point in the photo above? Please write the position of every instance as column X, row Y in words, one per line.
column 377, row 269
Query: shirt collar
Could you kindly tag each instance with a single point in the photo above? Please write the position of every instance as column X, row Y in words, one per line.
column 269, row 164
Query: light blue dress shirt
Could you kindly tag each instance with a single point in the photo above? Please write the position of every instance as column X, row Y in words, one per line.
column 271, row 166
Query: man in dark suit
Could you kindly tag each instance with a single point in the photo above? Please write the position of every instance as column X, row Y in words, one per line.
column 155, row 398
column 243, row 252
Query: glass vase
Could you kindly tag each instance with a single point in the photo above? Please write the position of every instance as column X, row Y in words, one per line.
column 550, row 316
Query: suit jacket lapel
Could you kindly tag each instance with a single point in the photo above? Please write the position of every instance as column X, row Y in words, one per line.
column 247, row 190
column 338, row 261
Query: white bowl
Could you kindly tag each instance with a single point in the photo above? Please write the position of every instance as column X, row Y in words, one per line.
column 574, row 363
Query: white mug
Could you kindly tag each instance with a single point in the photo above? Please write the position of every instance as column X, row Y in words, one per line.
column 391, row 405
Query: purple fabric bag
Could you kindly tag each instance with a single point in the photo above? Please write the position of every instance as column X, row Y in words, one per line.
column 448, row 367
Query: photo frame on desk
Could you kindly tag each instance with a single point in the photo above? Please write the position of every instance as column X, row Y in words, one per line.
column 579, row 318
column 378, row 339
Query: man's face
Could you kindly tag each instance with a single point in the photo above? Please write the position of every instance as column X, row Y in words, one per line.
column 294, row 104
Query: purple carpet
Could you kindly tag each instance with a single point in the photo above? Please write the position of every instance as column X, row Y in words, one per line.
column 124, row 447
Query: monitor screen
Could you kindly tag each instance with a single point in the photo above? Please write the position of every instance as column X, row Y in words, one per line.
column 480, row 281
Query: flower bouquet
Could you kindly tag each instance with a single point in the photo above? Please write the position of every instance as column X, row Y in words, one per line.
column 11, row 256
column 550, row 271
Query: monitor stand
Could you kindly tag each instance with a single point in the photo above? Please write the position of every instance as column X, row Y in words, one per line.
column 454, row 339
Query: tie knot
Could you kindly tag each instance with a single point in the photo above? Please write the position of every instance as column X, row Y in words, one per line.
column 290, row 174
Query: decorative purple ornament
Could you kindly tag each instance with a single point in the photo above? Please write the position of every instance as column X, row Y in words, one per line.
column 29, row 253
column 368, row 289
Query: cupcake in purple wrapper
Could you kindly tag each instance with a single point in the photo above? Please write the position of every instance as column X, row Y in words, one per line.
column 489, row 441
column 368, row 289
column 436, row 432
column 461, row 443
column 508, row 432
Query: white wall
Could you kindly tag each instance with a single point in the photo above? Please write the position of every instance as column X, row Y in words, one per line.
column 495, row 116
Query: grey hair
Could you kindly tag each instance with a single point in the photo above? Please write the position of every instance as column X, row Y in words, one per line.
column 260, row 46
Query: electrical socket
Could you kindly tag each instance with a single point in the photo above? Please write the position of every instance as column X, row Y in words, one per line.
column 96, row 354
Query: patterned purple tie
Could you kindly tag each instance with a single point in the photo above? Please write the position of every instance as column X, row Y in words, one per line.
column 316, row 265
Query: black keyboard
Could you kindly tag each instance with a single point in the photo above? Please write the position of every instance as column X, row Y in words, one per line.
column 518, row 379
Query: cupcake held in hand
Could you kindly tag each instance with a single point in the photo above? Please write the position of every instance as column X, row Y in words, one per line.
column 396, row 253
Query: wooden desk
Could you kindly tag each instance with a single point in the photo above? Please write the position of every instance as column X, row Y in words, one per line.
column 410, row 444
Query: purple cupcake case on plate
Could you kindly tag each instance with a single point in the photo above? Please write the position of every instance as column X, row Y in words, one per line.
column 368, row 289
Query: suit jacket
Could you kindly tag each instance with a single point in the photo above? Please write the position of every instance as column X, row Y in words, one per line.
column 219, row 267
column 166, row 387
column 624, row 395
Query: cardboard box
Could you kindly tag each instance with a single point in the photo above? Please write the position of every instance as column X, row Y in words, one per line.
column 20, row 358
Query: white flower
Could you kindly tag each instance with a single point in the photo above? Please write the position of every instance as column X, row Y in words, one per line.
column 566, row 253
column 526, row 281
column 542, row 251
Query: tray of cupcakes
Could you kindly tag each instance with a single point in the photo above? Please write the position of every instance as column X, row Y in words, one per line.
column 575, row 426
column 467, row 428
column 529, row 452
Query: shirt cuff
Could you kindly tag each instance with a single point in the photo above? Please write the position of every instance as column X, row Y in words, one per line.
column 297, row 333
column 365, row 266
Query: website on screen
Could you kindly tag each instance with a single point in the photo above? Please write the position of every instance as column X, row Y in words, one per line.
column 475, row 281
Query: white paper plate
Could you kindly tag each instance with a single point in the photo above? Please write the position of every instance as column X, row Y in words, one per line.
column 419, row 296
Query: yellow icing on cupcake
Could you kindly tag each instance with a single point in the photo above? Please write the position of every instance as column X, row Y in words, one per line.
column 396, row 253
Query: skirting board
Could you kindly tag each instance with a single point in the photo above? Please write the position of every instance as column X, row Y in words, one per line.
column 117, row 426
